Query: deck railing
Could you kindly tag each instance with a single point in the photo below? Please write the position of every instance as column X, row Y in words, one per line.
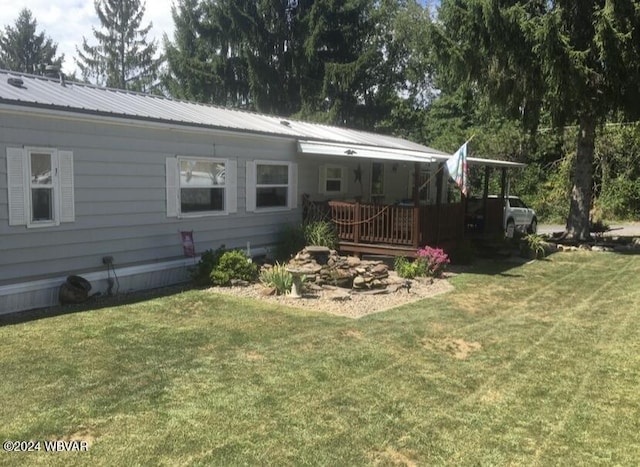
column 408, row 226
column 376, row 223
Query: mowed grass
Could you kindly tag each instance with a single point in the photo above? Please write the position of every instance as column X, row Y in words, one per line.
column 536, row 364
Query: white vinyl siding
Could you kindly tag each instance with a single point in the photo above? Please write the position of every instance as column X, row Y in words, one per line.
column 198, row 186
column 271, row 185
column 41, row 189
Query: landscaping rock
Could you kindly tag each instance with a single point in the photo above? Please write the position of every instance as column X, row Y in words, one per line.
column 336, row 270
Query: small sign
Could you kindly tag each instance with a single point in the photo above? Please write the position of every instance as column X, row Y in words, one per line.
column 188, row 246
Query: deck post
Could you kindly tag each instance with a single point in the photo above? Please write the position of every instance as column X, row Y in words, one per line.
column 439, row 185
column 485, row 196
column 356, row 223
column 415, row 228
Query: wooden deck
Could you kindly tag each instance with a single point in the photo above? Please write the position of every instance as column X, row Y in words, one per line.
column 396, row 230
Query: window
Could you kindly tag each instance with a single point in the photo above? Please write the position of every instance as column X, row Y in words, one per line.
column 40, row 182
column 202, row 185
column 271, row 185
column 332, row 179
column 198, row 186
column 377, row 179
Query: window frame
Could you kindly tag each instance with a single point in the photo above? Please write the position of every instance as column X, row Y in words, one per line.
column 382, row 181
column 225, row 188
column 324, row 178
column 252, row 186
column 54, row 186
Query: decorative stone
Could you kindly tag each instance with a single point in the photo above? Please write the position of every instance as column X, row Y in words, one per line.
column 359, row 282
column 268, row 291
column 318, row 250
column 239, row 283
column 353, row 261
column 379, row 269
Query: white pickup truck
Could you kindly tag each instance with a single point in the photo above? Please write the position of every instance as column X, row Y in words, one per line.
column 518, row 217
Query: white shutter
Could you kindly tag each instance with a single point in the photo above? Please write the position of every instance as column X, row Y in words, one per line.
column 18, row 210
column 231, row 183
column 250, row 184
column 172, row 186
column 322, row 179
column 67, row 203
column 293, row 185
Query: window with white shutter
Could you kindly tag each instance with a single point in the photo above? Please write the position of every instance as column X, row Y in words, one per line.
column 198, row 186
column 40, row 183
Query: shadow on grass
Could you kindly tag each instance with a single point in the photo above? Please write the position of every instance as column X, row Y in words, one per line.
column 93, row 304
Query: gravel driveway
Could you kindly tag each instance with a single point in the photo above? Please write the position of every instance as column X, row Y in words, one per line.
column 628, row 229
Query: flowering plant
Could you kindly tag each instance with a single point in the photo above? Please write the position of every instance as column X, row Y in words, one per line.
column 435, row 260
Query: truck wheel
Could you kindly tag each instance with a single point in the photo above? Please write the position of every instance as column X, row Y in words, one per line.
column 533, row 228
column 511, row 229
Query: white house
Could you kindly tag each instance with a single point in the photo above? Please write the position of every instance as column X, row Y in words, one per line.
column 88, row 173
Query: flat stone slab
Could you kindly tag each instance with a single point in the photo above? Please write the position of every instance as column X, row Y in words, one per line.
column 318, row 250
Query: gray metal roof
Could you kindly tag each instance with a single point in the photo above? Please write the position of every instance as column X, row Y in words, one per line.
column 45, row 93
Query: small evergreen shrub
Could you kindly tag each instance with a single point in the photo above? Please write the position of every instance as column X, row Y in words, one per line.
column 233, row 265
column 277, row 277
column 201, row 274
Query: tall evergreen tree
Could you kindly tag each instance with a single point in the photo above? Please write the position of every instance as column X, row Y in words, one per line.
column 340, row 61
column 23, row 49
column 205, row 60
column 123, row 58
column 576, row 61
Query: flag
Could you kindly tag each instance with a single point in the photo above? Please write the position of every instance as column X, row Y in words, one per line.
column 457, row 167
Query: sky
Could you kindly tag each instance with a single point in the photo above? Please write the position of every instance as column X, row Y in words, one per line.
column 67, row 21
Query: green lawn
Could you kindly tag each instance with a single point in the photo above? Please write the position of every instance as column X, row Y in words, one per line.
column 536, row 364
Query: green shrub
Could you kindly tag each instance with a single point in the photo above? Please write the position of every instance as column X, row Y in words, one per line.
column 201, row 274
column 409, row 269
column 233, row 265
column 534, row 246
column 320, row 233
column 428, row 262
column 277, row 277
column 290, row 240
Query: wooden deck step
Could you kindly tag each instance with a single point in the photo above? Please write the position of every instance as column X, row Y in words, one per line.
column 377, row 249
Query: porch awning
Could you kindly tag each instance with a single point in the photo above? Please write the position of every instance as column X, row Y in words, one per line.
column 324, row 148
column 367, row 152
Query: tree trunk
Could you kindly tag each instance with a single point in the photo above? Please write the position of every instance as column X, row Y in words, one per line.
column 582, row 178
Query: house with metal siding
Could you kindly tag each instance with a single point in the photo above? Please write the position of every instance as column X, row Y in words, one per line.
column 88, row 173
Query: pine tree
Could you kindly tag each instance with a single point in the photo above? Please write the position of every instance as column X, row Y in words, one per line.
column 23, row 49
column 575, row 61
column 123, row 58
column 203, row 60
